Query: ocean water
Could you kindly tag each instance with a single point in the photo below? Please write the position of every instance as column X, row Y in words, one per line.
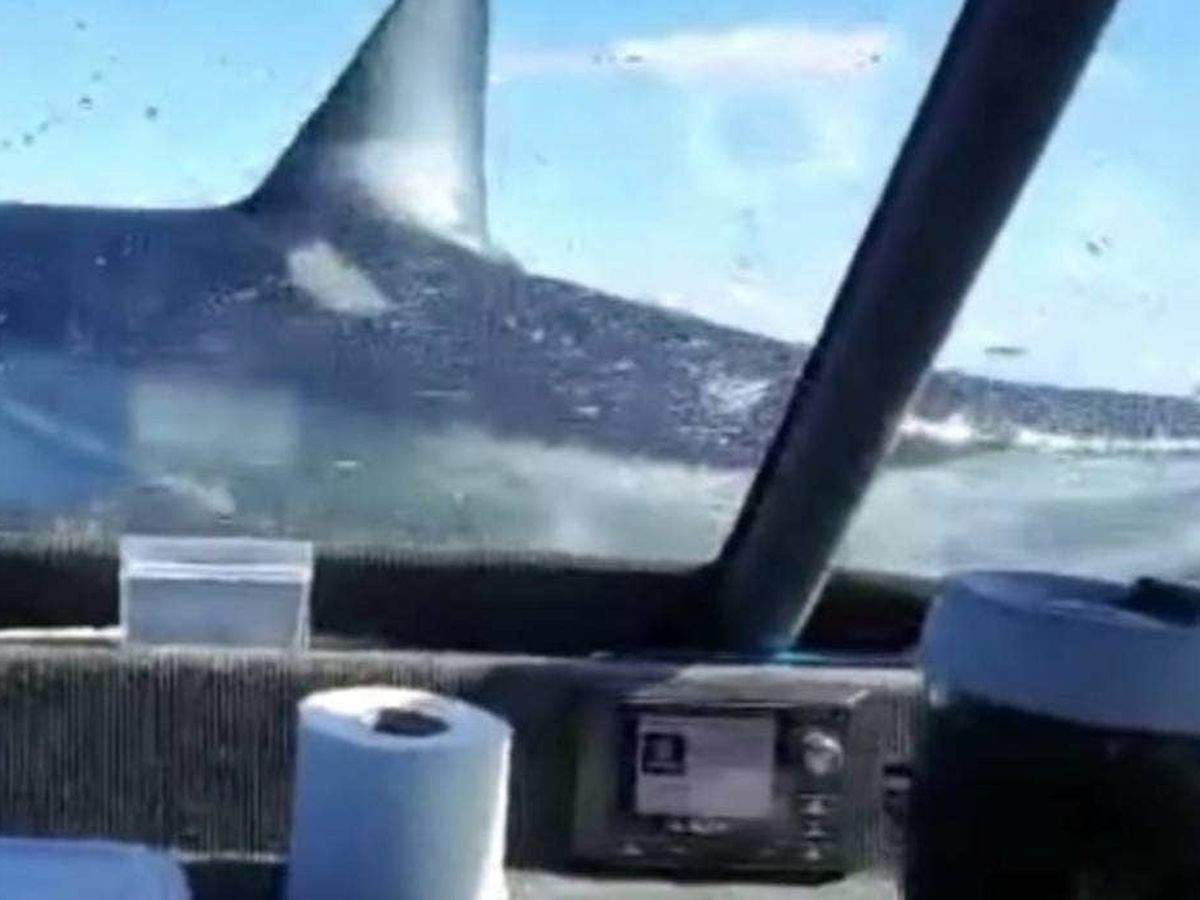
column 187, row 456
column 984, row 474
column 1115, row 512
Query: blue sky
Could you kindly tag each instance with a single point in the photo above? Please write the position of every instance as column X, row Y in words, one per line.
column 720, row 156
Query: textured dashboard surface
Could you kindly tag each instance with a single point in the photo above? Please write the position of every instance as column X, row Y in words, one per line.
column 193, row 749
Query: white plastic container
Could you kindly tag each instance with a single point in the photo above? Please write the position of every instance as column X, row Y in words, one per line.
column 87, row 870
column 235, row 592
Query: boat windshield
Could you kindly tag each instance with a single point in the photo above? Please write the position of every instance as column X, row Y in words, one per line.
column 598, row 246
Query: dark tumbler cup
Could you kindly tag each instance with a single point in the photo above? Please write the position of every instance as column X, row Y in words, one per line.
column 1059, row 754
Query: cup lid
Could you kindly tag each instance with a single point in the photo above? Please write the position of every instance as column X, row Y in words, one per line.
column 1092, row 652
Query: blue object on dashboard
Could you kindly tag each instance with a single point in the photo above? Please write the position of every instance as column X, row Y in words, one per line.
column 1092, row 652
column 97, row 870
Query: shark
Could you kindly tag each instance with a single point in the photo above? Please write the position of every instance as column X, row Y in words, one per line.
column 345, row 354
column 352, row 300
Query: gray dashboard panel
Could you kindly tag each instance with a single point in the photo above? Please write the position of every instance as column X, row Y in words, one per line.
column 264, row 881
column 539, row 886
column 193, row 749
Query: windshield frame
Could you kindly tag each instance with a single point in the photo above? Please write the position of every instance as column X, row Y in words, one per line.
column 1003, row 81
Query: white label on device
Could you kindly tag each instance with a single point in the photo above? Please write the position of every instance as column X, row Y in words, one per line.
column 705, row 766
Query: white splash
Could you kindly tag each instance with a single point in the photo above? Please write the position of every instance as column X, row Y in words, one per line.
column 958, row 431
column 215, row 499
column 954, row 431
column 729, row 395
column 1156, row 445
column 525, row 494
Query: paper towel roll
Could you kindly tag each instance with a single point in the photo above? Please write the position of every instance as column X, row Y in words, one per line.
column 400, row 795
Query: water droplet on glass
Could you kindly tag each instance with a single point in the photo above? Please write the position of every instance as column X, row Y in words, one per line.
column 1097, row 246
column 151, row 113
column 1005, row 351
column 86, row 102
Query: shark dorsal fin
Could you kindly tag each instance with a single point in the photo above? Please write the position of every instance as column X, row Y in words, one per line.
column 403, row 127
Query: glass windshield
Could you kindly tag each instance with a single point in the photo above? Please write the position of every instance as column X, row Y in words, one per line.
column 546, row 289
column 178, row 104
column 1062, row 429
